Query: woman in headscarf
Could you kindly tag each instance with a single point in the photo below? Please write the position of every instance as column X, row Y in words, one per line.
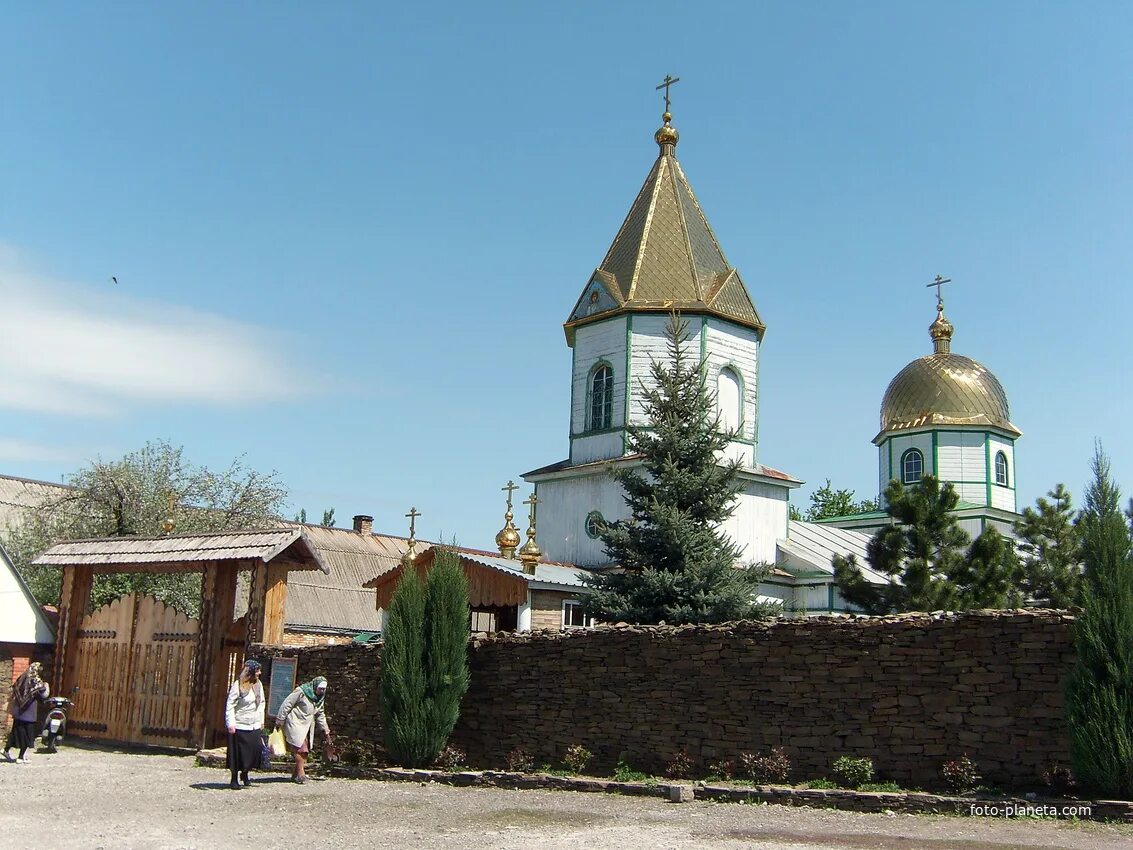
column 244, row 717
column 300, row 713
column 23, row 705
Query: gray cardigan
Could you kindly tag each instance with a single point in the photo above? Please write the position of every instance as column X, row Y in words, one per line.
column 298, row 717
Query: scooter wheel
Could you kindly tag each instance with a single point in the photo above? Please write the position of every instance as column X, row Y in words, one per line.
column 51, row 748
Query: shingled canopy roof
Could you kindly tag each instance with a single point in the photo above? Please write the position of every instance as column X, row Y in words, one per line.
column 186, row 552
column 665, row 257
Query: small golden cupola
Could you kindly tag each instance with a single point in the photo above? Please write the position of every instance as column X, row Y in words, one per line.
column 507, row 540
column 943, row 388
column 531, row 554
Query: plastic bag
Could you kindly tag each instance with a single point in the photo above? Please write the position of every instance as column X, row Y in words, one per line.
column 265, row 755
column 276, row 743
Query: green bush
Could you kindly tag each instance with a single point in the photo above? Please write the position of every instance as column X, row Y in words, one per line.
column 852, row 772
column 773, row 768
column 451, row 759
column 624, row 773
column 679, row 766
column 518, row 761
column 577, row 757
column 960, row 775
column 425, row 661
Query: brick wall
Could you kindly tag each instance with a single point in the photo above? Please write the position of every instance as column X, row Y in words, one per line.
column 908, row 691
column 6, row 679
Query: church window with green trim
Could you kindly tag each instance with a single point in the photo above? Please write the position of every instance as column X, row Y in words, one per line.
column 1001, row 477
column 601, row 398
column 912, row 466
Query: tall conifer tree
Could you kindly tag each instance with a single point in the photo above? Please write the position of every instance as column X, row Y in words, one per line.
column 677, row 564
column 1099, row 693
column 425, row 660
column 1050, row 545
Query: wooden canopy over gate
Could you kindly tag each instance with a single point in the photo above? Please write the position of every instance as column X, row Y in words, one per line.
column 198, row 678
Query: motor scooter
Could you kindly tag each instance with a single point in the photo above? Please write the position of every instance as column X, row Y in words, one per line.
column 55, row 724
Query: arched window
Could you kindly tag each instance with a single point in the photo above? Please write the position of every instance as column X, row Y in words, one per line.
column 1001, row 469
column 729, row 399
column 912, row 466
column 601, row 398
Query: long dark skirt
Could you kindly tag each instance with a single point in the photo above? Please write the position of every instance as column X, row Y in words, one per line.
column 22, row 734
column 244, row 750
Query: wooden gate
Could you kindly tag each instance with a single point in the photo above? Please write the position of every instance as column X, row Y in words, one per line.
column 135, row 673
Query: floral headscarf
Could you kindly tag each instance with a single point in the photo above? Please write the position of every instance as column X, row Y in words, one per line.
column 311, row 690
column 28, row 686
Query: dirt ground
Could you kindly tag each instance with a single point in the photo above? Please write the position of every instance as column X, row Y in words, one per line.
column 95, row 798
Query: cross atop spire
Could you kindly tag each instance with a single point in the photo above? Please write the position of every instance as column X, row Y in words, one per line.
column 511, row 488
column 412, row 515
column 939, row 282
column 666, row 84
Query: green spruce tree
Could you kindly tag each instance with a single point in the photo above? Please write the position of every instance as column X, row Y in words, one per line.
column 425, row 661
column 677, row 565
column 446, row 646
column 1050, row 546
column 1099, row 692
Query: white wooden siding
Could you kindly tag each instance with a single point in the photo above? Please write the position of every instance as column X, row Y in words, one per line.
column 561, row 514
column 1003, row 497
column 962, row 456
column 736, row 347
column 901, row 443
column 759, row 520
column 647, row 344
column 601, row 341
column 597, row 447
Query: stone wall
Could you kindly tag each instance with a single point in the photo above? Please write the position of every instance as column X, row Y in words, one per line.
column 908, row 692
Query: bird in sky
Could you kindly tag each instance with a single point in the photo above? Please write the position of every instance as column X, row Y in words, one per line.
column 113, row 278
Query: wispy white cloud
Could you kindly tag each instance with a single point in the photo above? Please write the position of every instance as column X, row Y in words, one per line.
column 22, row 450
column 66, row 350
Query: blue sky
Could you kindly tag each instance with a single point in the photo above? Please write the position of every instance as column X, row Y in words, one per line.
column 346, row 235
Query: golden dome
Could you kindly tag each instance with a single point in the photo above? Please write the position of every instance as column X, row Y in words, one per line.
column 667, row 135
column 944, row 389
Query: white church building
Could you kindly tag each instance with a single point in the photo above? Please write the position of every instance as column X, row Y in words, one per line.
column 943, row 414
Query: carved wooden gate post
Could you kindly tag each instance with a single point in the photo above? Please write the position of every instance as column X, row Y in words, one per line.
column 74, row 596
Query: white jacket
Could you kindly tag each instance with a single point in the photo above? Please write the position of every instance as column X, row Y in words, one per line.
column 245, row 711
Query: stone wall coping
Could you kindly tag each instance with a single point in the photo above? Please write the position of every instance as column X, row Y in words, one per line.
column 909, row 802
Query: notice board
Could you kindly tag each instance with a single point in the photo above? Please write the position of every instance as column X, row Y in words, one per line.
column 281, row 685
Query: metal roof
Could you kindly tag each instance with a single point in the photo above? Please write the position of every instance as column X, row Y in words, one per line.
column 16, row 494
column 559, row 574
column 262, row 544
column 665, row 257
column 337, row 600
column 809, row 545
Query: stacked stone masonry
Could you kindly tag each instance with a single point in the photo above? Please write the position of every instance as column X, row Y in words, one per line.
column 909, row 692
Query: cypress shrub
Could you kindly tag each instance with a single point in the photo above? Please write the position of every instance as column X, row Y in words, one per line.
column 1099, row 692
column 403, row 675
column 425, row 661
column 446, row 647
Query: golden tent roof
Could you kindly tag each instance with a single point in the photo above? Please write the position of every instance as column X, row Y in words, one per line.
column 665, row 256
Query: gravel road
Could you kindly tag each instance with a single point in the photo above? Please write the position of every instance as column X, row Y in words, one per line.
column 96, row 798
